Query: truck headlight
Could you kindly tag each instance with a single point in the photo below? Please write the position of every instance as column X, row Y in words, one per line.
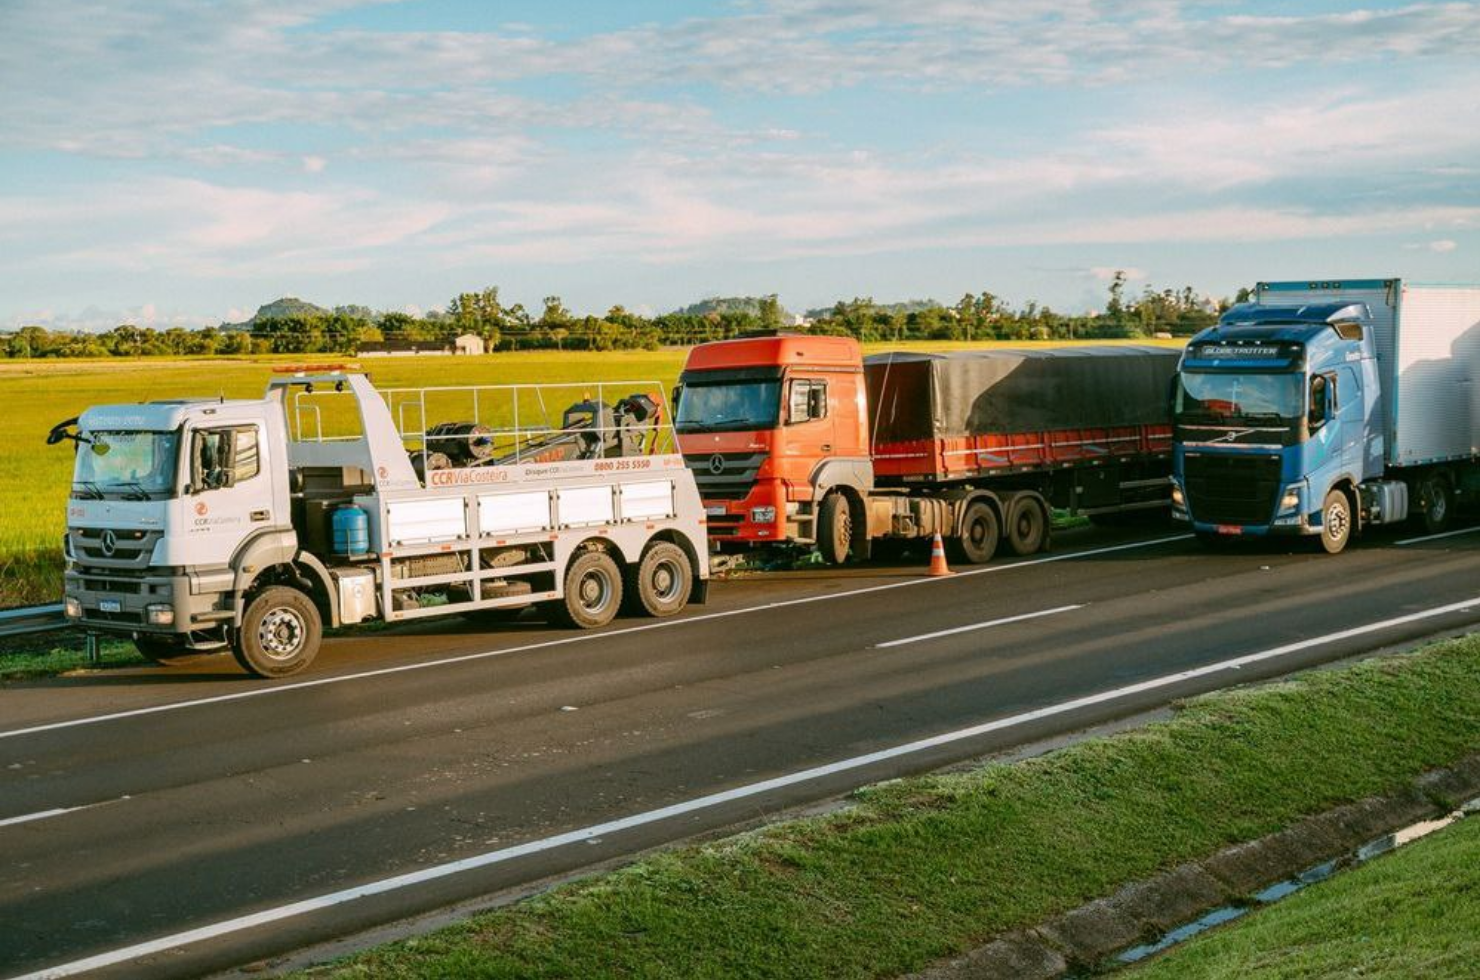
column 1177, row 499
column 763, row 515
column 72, row 607
column 1290, row 502
column 158, row 614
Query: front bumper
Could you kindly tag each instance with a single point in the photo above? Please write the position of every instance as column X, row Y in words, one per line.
column 736, row 520
column 113, row 603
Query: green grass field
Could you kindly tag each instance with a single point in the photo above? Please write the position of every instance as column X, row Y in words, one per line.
column 1414, row 913
column 35, row 395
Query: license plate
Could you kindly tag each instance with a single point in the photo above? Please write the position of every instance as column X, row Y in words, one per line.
column 715, row 511
column 1230, row 529
column 110, row 605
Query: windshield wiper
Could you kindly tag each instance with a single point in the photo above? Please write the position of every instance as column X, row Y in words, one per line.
column 709, row 426
column 138, row 488
column 91, row 489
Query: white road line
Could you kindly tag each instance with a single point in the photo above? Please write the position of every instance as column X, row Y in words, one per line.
column 1444, row 534
column 504, row 855
column 48, row 814
column 979, row 626
column 264, row 691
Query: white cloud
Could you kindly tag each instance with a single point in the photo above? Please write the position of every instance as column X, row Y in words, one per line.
column 314, row 164
column 1439, row 246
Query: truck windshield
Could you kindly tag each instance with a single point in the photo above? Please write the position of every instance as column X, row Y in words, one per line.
column 1208, row 397
column 133, row 465
column 731, row 405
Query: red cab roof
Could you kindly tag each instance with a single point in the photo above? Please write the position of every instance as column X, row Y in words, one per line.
column 776, row 351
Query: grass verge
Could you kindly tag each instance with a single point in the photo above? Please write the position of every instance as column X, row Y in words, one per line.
column 1412, row 913
column 923, row 868
column 27, row 663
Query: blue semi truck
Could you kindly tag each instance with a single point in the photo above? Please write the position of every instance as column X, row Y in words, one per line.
column 1321, row 408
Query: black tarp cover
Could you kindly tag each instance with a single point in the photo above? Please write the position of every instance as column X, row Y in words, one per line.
column 982, row 392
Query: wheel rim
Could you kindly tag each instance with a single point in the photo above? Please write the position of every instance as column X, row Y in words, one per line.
column 842, row 531
column 1438, row 503
column 1336, row 521
column 281, row 633
column 977, row 532
column 594, row 593
column 1027, row 524
column 667, row 581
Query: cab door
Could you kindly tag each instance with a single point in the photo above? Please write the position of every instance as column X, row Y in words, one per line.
column 229, row 492
column 1348, row 411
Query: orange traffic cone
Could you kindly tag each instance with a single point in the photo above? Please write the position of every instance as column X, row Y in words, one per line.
column 938, row 558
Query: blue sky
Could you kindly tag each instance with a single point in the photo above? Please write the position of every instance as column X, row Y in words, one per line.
column 181, row 161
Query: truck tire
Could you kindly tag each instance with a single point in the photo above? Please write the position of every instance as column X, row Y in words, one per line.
column 980, row 534
column 834, row 529
column 593, row 593
column 1435, row 503
column 280, row 633
column 660, row 584
column 1027, row 524
column 164, row 650
column 1336, row 522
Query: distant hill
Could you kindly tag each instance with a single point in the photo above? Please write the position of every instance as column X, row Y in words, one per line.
column 906, row 307
column 287, row 306
column 729, row 304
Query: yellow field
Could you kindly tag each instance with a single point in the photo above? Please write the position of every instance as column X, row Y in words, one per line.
column 35, row 395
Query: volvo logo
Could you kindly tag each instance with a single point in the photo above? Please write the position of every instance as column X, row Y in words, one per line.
column 109, row 542
column 716, row 464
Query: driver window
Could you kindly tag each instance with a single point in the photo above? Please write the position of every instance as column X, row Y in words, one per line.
column 1318, row 396
column 223, row 457
column 806, row 401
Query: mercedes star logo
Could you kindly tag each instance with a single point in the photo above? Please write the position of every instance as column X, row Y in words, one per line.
column 109, row 542
column 716, row 464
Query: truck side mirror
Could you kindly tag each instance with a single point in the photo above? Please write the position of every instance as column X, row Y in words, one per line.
column 1317, row 414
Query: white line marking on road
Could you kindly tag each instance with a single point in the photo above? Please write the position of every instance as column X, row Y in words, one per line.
column 979, row 626
column 264, row 691
column 48, row 814
column 1444, row 534
column 503, row 855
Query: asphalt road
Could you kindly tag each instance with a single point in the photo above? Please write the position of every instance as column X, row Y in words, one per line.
column 147, row 803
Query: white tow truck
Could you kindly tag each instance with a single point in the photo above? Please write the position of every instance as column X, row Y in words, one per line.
column 203, row 525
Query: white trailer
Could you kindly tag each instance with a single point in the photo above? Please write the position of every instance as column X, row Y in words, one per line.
column 250, row 525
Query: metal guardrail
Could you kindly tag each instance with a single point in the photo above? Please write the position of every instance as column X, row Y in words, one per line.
column 31, row 619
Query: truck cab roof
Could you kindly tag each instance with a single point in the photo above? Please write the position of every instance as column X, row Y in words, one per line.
column 164, row 416
column 1283, row 323
column 778, row 351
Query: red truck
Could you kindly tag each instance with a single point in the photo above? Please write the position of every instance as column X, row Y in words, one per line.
column 801, row 439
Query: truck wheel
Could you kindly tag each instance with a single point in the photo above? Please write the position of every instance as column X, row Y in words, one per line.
column 164, row 650
column 1336, row 522
column 1027, row 525
column 280, row 633
column 980, row 534
column 834, row 529
column 593, row 593
column 660, row 584
column 1435, row 503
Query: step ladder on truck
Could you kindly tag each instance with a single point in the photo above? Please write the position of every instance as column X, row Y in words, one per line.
column 201, row 525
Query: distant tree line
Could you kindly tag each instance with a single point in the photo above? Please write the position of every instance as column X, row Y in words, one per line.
column 294, row 327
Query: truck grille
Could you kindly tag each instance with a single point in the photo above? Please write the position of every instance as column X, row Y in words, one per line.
column 113, row 549
column 1232, row 489
column 724, row 476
